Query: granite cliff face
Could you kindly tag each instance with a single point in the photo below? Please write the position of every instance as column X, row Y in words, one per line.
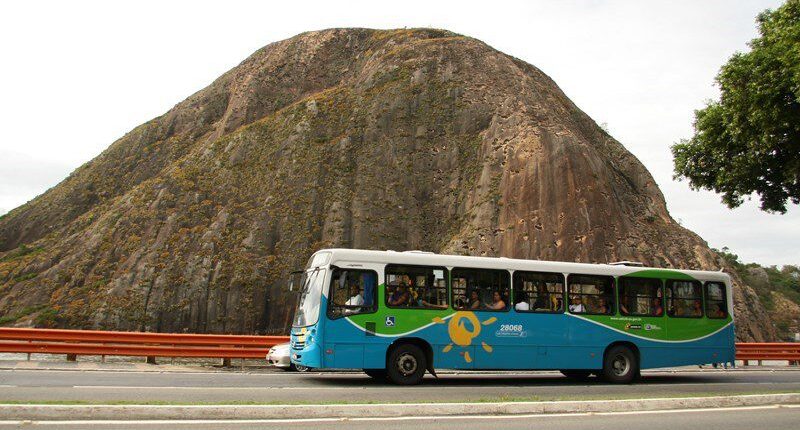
column 406, row 139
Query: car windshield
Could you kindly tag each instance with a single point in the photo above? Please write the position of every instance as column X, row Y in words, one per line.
column 310, row 296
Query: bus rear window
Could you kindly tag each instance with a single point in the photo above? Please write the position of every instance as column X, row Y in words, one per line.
column 716, row 301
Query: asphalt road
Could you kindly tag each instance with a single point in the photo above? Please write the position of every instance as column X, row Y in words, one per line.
column 281, row 387
column 770, row 417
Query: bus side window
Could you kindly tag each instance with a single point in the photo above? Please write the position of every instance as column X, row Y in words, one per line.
column 684, row 299
column 640, row 296
column 420, row 287
column 716, row 301
column 352, row 292
column 591, row 294
column 538, row 292
column 480, row 289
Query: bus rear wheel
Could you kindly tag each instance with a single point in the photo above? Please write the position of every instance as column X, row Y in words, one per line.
column 620, row 365
column 378, row 374
column 406, row 365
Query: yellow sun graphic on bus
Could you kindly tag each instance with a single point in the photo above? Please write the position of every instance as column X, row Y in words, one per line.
column 462, row 328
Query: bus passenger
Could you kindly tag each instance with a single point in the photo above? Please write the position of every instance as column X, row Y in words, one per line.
column 658, row 310
column 698, row 309
column 497, row 302
column 602, row 306
column 576, row 306
column 353, row 305
column 623, row 306
column 719, row 313
column 358, row 299
column 522, row 302
column 400, row 296
column 474, row 300
column 541, row 298
column 430, row 300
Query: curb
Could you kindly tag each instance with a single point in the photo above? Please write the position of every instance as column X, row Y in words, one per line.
column 242, row 412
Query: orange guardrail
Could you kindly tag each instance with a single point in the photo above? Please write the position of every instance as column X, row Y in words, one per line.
column 151, row 345
column 768, row 351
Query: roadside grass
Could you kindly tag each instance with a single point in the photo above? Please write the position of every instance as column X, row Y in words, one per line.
column 494, row 399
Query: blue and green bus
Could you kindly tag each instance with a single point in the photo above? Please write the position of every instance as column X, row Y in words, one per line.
column 397, row 315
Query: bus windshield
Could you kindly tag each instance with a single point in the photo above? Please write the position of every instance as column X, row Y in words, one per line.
column 310, row 296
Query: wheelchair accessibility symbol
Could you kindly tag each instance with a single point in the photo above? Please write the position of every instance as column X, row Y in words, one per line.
column 389, row 321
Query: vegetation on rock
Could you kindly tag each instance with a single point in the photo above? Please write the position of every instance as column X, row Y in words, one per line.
column 777, row 289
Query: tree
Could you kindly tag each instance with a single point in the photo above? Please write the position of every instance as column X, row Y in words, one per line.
column 749, row 141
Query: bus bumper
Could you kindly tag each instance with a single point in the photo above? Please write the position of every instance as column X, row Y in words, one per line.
column 310, row 356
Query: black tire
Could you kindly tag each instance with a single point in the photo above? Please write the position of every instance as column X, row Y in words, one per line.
column 576, row 374
column 620, row 365
column 406, row 365
column 377, row 374
column 297, row 368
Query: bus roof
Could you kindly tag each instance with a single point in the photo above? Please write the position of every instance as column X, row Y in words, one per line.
column 342, row 255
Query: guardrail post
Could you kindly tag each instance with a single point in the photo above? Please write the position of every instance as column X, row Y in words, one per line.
column 226, row 362
column 151, row 360
column 72, row 357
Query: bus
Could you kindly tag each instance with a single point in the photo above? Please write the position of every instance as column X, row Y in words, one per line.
column 397, row 315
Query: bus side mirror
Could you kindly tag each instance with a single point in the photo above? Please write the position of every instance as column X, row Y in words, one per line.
column 294, row 280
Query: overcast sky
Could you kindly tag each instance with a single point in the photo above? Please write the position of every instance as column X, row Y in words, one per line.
column 75, row 76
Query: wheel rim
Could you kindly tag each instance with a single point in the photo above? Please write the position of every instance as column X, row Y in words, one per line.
column 300, row 368
column 620, row 365
column 407, row 364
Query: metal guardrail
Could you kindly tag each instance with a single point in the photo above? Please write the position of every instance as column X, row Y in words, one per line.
column 151, row 345
column 768, row 351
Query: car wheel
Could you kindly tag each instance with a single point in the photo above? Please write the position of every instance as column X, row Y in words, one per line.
column 620, row 365
column 406, row 365
column 297, row 368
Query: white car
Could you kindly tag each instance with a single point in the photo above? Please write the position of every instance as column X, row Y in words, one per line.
column 278, row 356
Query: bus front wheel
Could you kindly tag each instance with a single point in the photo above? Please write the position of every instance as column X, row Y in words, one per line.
column 620, row 365
column 406, row 365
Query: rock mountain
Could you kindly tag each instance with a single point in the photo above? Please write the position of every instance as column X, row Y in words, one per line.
column 402, row 139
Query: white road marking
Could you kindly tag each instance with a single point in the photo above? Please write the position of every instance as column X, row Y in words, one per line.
column 409, row 418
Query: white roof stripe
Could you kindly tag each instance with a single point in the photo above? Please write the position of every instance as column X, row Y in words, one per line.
column 341, row 256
